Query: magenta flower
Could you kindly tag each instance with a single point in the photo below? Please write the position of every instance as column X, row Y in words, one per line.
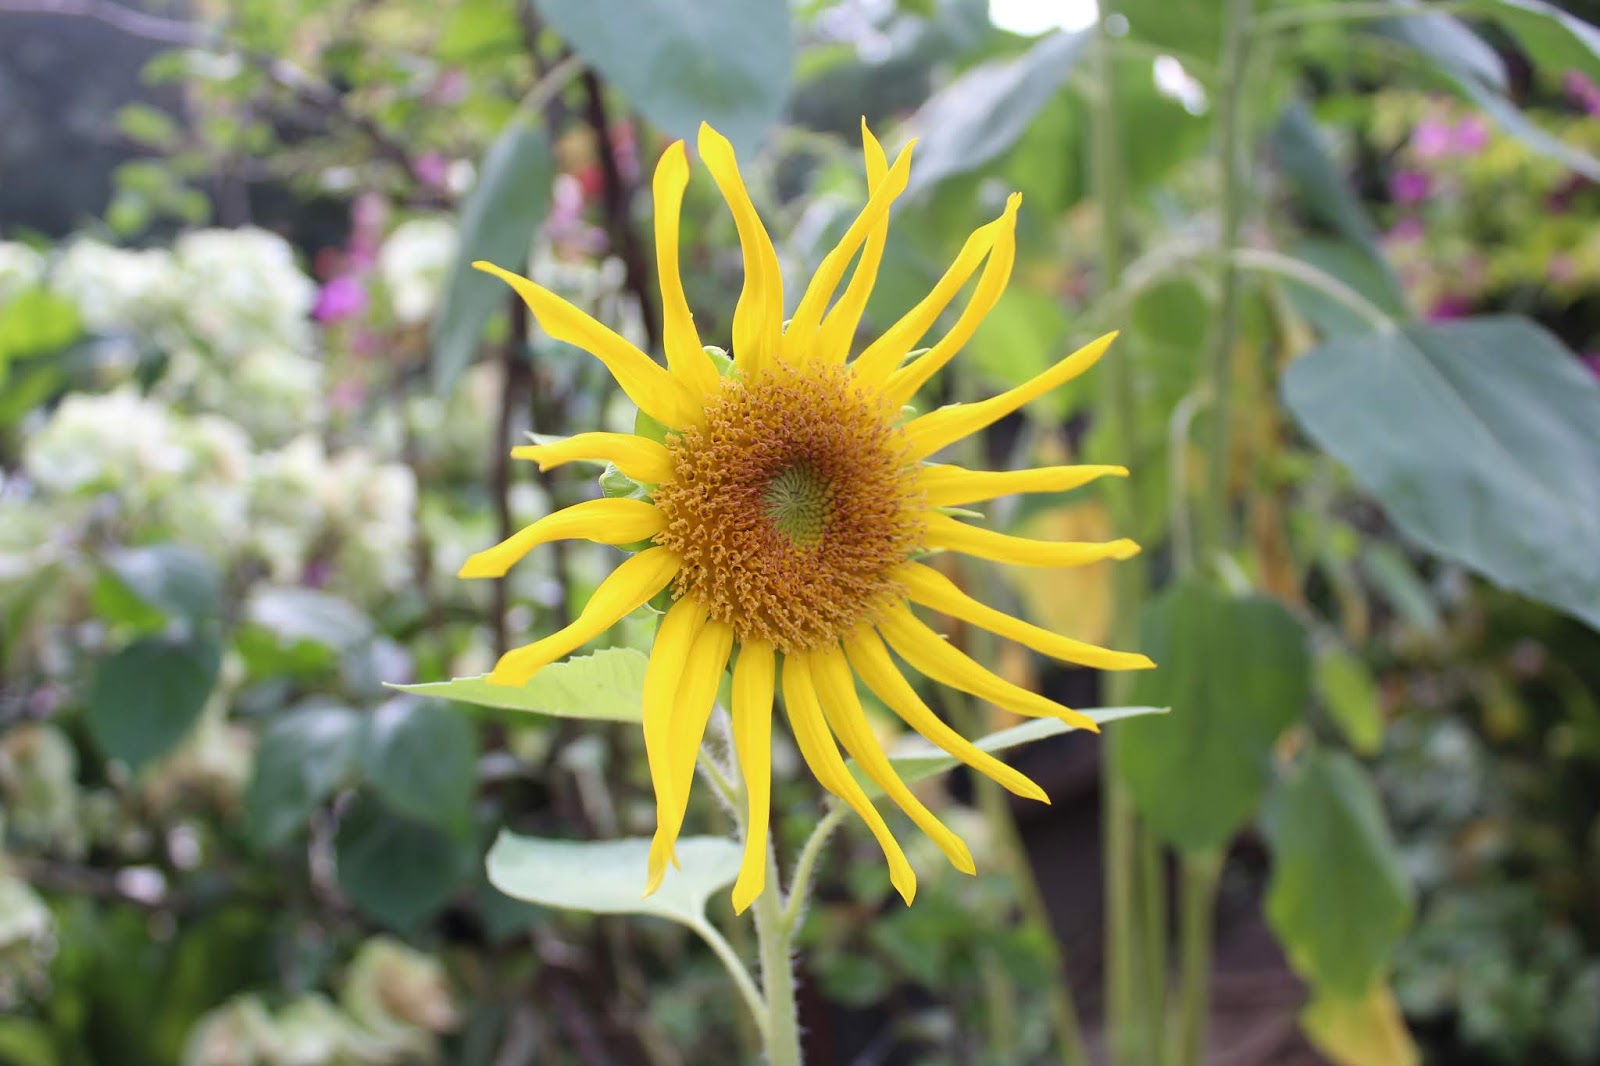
column 432, row 169
column 1432, row 139
column 1471, row 135
column 1446, row 308
column 1592, row 361
column 1583, row 91
column 1409, row 186
column 1405, row 230
column 344, row 296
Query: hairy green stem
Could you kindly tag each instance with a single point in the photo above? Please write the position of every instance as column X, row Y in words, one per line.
column 775, row 944
column 805, row 867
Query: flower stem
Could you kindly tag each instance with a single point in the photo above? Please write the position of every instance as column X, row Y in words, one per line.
column 1200, row 873
column 775, row 940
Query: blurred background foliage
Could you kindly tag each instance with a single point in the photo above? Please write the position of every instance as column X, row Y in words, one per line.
column 254, row 412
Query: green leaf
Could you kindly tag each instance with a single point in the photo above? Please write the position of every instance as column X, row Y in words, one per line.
column 27, row 1042
column 303, row 757
column 1338, row 899
column 1363, row 270
column 1194, row 27
column 145, row 698
column 919, row 760
column 1347, row 690
column 398, row 870
column 498, row 220
column 608, row 876
column 1449, row 43
column 608, row 685
column 1481, row 439
column 305, row 616
column 1555, row 40
column 983, row 112
column 1321, row 190
column 35, row 322
column 175, row 580
column 1236, row 673
column 1509, row 117
column 421, row 759
column 681, row 62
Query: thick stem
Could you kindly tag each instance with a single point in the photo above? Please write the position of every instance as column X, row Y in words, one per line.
column 775, row 941
column 1199, row 894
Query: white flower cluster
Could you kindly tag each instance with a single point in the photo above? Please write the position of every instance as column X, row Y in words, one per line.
column 414, row 264
column 20, row 268
column 242, row 291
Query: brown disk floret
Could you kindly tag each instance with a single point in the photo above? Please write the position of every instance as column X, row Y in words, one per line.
column 791, row 506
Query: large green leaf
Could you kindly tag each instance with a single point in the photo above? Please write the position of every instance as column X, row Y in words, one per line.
column 918, row 760
column 983, row 112
column 177, row 581
column 1555, row 40
column 294, row 616
column 683, row 62
column 1321, row 189
column 303, row 757
column 1346, row 688
column 608, row 876
column 1449, row 43
column 1481, row 439
column 398, row 870
column 1338, row 899
column 1235, row 672
column 35, row 322
column 420, row 758
column 498, row 220
column 608, row 685
column 146, row 697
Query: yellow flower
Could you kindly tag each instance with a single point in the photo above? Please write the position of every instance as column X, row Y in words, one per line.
column 786, row 510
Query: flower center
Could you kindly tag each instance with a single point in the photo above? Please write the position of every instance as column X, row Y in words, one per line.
column 792, row 505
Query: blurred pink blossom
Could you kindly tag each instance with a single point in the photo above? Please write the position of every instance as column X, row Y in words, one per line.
column 1409, row 186
column 344, row 296
column 1583, row 91
column 1592, row 361
column 1406, row 229
column 1446, row 308
column 1472, row 134
column 1432, row 139
column 368, row 216
column 450, row 88
column 346, row 396
column 432, row 169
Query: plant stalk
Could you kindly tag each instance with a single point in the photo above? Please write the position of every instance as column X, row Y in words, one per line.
column 780, row 1028
column 1200, row 873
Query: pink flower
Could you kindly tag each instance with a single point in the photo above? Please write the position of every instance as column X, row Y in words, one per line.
column 1583, row 91
column 1592, row 361
column 1432, row 139
column 1472, row 134
column 1405, row 230
column 1409, row 186
column 1446, row 308
column 342, row 297
column 432, row 169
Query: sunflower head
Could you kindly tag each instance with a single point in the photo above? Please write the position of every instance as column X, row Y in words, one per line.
column 784, row 509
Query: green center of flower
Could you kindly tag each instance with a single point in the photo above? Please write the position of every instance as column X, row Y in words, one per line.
column 797, row 502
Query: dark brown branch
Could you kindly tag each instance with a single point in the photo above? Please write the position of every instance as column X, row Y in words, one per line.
column 617, row 195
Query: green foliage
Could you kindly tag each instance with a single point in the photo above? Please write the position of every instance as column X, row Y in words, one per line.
column 608, row 685
column 1487, row 461
column 304, row 756
column 1236, row 673
column 608, row 876
column 419, row 758
column 146, row 697
column 1338, row 898
column 395, row 868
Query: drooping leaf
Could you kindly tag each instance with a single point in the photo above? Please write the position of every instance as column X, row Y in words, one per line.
column 396, row 869
column 1236, row 673
column 1509, row 117
column 683, row 62
column 1364, row 1031
column 420, row 758
column 608, row 876
column 983, row 112
column 498, row 220
column 1338, row 898
column 1346, row 688
column 1449, row 43
column 1481, row 438
column 1555, row 40
column 608, row 685
column 303, row 757
column 1321, row 190
column 918, row 760
column 145, row 698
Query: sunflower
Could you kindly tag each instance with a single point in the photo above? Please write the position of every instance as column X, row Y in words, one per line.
column 784, row 503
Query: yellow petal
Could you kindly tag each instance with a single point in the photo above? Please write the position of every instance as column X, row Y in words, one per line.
column 639, row 457
column 800, row 338
column 753, row 676
column 874, row 365
column 662, row 675
column 938, row 428
column 945, row 532
column 839, row 327
column 932, row 589
column 942, row 661
column 904, row 383
column 822, row 756
column 686, row 358
column 602, row 521
column 758, row 316
column 697, row 693
column 625, row 590
column 871, row 661
column 652, row 389
column 842, row 707
column 952, row 486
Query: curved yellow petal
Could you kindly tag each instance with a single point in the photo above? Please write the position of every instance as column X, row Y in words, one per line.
column 754, row 674
column 930, row 588
column 952, row 486
column 945, row 532
column 883, row 355
column 942, row 661
column 625, row 590
column 836, row 687
column 639, row 457
column 652, row 389
column 800, row 338
column 822, row 756
column 871, row 661
column 838, row 331
column 602, row 521
column 758, row 316
column 686, row 358
column 662, row 676
column 938, row 428
column 697, row 693
column 904, row 383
